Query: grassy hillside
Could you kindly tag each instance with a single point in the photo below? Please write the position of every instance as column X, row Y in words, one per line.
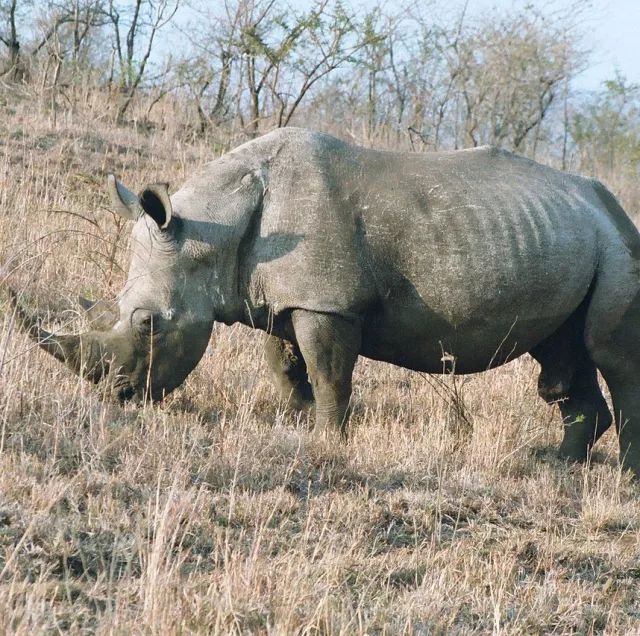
column 217, row 512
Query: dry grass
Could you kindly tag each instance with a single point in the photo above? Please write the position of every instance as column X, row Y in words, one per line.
column 218, row 513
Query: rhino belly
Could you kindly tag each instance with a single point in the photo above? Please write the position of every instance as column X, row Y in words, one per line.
column 471, row 328
column 423, row 343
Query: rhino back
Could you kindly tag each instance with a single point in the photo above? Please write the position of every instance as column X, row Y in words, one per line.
column 477, row 253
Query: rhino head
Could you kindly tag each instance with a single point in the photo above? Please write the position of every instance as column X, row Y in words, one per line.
column 164, row 316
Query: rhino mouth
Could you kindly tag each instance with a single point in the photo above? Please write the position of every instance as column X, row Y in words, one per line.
column 124, row 392
column 127, row 393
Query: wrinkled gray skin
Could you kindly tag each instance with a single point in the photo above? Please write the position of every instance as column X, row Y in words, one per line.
column 446, row 261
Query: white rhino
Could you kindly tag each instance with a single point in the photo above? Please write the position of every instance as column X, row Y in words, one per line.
column 457, row 260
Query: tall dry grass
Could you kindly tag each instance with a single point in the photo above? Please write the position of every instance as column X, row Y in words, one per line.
column 447, row 512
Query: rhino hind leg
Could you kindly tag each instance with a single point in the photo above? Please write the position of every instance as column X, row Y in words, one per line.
column 585, row 414
column 289, row 372
column 614, row 343
column 625, row 394
column 569, row 378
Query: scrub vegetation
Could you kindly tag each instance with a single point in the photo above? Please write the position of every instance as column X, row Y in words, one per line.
column 447, row 512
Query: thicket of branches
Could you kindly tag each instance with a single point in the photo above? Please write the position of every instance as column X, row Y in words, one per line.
column 399, row 77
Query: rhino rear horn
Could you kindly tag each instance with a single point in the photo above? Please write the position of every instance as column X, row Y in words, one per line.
column 99, row 313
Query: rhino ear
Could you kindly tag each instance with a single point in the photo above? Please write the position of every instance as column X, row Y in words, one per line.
column 123, row 201
column 155, row 201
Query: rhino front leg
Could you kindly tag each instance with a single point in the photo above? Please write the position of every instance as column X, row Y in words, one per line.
column 289, row 371
column 330, row 346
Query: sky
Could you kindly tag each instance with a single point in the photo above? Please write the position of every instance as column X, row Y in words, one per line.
column 613, row 29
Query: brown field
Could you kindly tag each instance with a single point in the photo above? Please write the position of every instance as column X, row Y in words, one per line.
column 217, row 512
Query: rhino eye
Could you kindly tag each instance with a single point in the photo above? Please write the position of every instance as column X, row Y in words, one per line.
column 143, row 320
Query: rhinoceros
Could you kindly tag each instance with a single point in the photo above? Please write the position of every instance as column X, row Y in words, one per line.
column 446, row 261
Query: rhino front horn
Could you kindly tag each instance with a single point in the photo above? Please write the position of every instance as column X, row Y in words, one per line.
column 84, row 354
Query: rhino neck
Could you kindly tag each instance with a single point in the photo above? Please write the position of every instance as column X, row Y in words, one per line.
column 212, row 247
column 219, row 210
